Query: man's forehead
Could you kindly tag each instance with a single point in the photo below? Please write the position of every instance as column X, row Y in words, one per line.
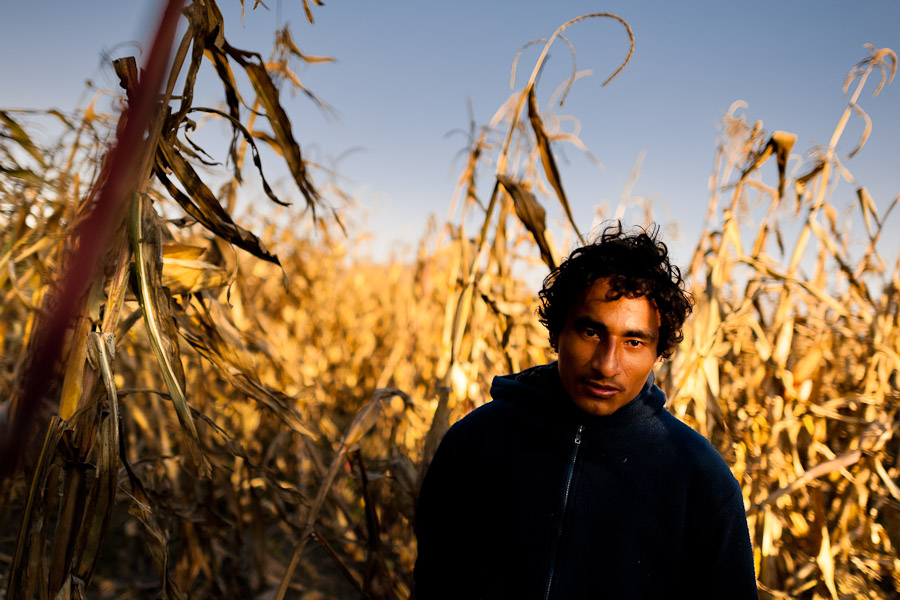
column 600, row 294
column 604, row 289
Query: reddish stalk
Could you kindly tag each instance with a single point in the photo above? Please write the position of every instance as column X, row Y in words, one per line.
column 92, row 238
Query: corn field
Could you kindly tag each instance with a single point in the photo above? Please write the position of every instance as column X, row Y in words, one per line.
column 200, row 403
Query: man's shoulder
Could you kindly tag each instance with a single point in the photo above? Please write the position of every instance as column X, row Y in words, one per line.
column 696, row 452
column 487, row 416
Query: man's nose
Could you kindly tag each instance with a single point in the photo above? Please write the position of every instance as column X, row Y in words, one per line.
column 606, row 358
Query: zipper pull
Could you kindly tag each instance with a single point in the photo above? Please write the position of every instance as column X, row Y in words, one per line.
column 578, row 434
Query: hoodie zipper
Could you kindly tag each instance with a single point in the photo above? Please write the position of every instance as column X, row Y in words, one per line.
column 562, row 514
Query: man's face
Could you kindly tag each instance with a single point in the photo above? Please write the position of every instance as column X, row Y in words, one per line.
column 607, row 348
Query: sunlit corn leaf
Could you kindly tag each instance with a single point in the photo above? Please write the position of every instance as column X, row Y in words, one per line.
column 186, row 276
column 209, row 40
column 203, row 205
column 532, row 215
column 74, row 376
column 144, row 230
column 18, row 135
column 801, row 182
column 307, row 9
column 868, row 209
column 779, row 144
column 550, row 169
column 440, row 423
column 826, row 563
column 867, row 130
column 25, row 175
column 367, row 417
column 220, row 328
column 199, row 30
column 201, row 333
column 283, row 37
column 268, row 96
column 883, row 59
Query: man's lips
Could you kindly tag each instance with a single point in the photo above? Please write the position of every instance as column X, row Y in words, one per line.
column 600, row 390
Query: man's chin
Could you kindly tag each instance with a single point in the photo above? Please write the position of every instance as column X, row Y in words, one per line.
column 599, row 407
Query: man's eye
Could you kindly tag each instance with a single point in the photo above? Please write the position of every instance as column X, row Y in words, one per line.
column 590, row 332
column 635, row 343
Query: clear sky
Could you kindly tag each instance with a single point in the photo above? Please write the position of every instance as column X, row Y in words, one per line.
column 406, row 68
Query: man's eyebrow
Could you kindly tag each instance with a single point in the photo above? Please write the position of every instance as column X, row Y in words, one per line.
column 640, row 334
column 589, row 323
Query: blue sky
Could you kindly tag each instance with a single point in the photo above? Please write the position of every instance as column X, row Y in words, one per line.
column 405, row 70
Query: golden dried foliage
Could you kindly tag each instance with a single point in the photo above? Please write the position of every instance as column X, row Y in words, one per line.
column 264, row 432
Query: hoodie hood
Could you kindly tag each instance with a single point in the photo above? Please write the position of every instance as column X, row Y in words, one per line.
column 542, row 385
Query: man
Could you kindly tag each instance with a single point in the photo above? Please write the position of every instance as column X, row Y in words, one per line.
column 575, row 482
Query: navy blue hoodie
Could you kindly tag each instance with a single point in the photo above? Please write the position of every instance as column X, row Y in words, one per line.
column 530, row 498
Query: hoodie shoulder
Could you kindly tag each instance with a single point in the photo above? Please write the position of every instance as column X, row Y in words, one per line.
column 710, row 471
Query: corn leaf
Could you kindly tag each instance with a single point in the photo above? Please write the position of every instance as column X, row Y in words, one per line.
column 18, row 135
column 268, row 96
column 203, row 205
column 550, row 169
column 101, row 352
column 144, row 230
column 22, row 571
column 532, row 215
column 183, row 276
column 203, row 335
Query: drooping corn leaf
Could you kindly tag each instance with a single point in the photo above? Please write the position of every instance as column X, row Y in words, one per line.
column 801, row 182
column 307, row 9
column 18, row 135
column 232, row 96
column 268, row 96
column 144, row 230
column 284, row 38
column 203, row 205
column 780, row 144
column 532, row 215
column 783, row 142
column 238, row 128
column 550, row 169
column 202, row 333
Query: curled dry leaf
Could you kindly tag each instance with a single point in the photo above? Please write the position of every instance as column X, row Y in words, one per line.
column 268, row 96
column 780, row 144
column 532, row 215
column 203, row 205
column 550, row 169
column 18, row 135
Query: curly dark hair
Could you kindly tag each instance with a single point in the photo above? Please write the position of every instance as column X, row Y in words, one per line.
column 636, row 264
